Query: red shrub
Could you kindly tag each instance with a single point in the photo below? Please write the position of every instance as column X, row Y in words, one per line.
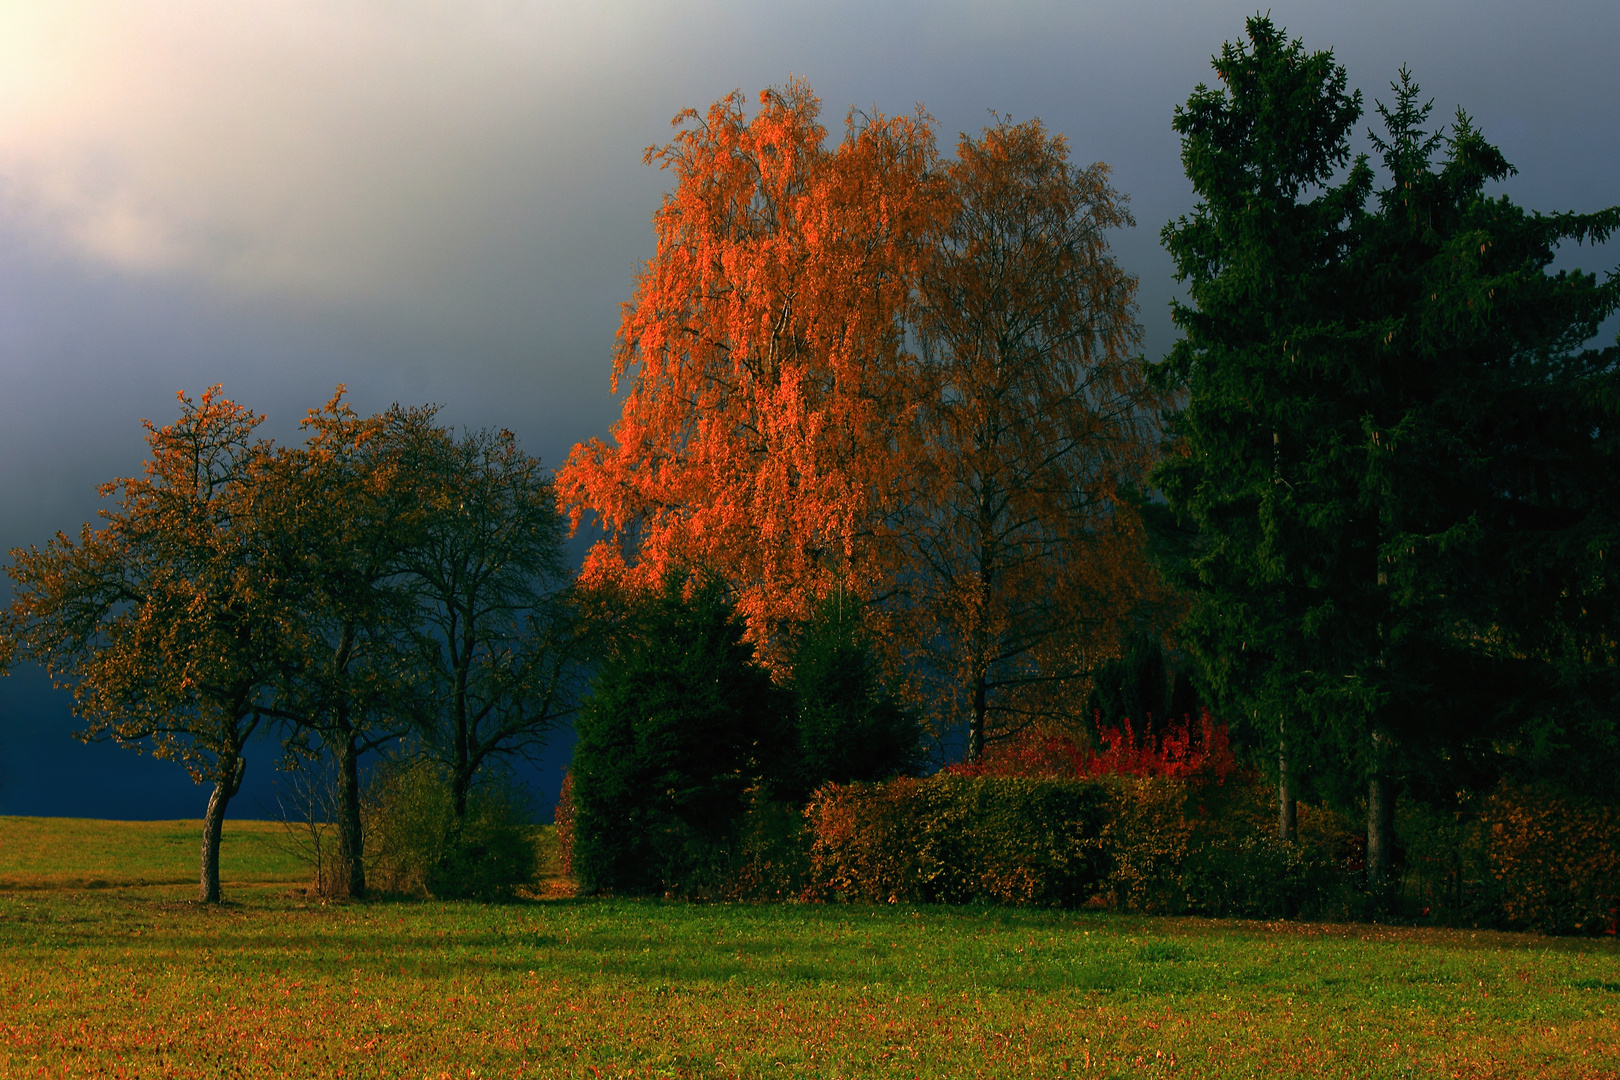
column 1181, row 751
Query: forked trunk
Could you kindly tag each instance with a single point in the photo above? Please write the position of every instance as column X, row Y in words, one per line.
column 226, row 785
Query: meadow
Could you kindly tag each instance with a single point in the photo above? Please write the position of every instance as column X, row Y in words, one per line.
column 133, row 979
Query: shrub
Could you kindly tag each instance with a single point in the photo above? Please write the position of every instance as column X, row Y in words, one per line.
column 956, row 840
column 419, row 846
column 1151, row 829
column 1181, row 749
column 1151, row 844
column 768, row 858
column 680, row 729
column 1556, row 858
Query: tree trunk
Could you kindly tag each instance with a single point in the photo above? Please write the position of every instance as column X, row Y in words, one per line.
column 1287, row 805
column 460, row 783
column 1380, row 820
column 351, row 839
column 226, row 785
column 976, row 733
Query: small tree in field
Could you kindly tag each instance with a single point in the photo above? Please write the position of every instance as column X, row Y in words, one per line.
column 168, row 622
column 354, row 507
column 502, row 639
column 681, row 725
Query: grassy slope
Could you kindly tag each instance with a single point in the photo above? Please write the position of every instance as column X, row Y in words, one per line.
column 140, row 981
column 44, row 853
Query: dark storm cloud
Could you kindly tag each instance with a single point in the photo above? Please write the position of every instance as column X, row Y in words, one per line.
column 445, row 202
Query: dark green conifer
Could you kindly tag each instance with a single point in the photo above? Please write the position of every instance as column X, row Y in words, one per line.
column 1395, row 450
column 681, row 725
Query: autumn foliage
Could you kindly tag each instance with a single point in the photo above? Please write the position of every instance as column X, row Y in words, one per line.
column 765, row 426
column 166, row 621
column 864, row 370
column 1178, row 750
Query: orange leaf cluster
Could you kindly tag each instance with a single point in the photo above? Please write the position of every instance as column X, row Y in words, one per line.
column 767, row 418
column 862, row 369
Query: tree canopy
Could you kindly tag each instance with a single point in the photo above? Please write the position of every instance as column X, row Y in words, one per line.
column 864, row 371
column 1393, row 449
column 766, row 419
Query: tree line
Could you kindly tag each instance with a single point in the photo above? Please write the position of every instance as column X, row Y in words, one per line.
column 385, row 578
column 889, row 408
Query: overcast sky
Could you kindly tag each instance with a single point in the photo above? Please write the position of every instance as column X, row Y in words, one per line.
column 445, row 202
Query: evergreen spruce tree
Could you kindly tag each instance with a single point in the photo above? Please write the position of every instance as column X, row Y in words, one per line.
column 681, row 725
column 851, row 726
column 1488, row 461
column 1395, row 450
column 1267, row 364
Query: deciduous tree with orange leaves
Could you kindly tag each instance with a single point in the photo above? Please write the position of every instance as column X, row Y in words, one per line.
column 768, row 423
column 167, row 623
column 1019, row 547
column 861, row 369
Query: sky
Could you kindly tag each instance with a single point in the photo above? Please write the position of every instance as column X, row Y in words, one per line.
column 445, row 202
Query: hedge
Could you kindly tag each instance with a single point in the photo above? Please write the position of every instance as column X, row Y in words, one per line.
column 1523, row 857
column 954, row 840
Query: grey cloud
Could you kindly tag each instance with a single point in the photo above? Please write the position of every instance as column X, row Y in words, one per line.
column 445, row 201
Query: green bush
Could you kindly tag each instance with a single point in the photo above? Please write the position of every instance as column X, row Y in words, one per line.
column 418, row 846
column 680, row 733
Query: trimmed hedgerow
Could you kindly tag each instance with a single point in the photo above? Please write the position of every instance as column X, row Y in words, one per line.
column 1008, row 840
column 1149, row 844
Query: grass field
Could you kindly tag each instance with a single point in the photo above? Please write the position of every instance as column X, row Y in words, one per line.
column 138, row 981
column 56, row 853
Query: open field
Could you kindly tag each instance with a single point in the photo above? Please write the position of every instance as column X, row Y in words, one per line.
column 54, row 853
column 138, row 981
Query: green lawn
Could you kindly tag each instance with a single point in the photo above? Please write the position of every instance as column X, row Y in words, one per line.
column 138, row 981
column 46, row 853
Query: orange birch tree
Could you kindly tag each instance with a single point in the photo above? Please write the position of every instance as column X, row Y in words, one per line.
column 765, row 431
column 1020, row 548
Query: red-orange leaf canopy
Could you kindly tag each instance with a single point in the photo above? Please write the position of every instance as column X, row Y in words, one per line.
column 769, row 410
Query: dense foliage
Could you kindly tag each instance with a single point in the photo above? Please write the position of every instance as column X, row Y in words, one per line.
column 851, row 725
column 1394, row 451
column 859, row 371
column 879, row 498
column 680, row 728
